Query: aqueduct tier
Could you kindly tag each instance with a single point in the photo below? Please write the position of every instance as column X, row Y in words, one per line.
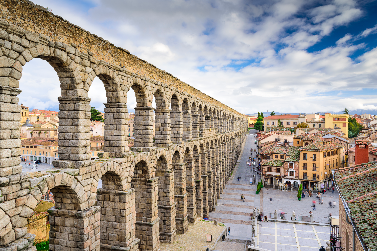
column 151, row 192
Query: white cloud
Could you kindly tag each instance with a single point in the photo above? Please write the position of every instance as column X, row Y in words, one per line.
column 182, row 36
column 343, row 40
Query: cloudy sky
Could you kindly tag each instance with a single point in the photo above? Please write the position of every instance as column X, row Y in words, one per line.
column 275, row 55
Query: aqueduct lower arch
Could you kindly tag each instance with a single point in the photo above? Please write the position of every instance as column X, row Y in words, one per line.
column 151, row 192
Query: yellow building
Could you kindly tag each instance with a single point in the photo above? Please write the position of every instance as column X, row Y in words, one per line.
column 24, row 114
column 251, row 120
column 44, row 151
column 337, row 121
column 317, row 160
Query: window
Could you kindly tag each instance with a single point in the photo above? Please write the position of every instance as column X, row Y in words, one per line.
column 35, row 152
column 314, row 125
column 278, row 170
column 294, row 123
column 22, row 151
column 292, row 173
column 319, row 125
column 288, row 123
column 291, row 165
column 314, row 167
column 298, row 142
column 305, row 176
column 276, row 156
column 314, row 176
column 27, row 151
column 328, row 154
column 268, row 123
column 314, row 157
column 282, row 156
column 324, row 154
column 304, row 166
column 273, row 123
column 269, row 169
column 304, row 156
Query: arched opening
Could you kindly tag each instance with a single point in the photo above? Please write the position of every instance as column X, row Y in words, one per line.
column 97, row 94
column 116, row 219
column 39, row 122
column 176, row 120
column 166, row 210
column 131, row 104
column 145, row 197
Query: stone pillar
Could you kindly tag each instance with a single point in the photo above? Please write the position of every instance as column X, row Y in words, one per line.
column 117, row 219
column 166, row 206
column 191, row 190
column 143, row 126
column 201, row 125
column 199, row 185
column 162, row 127
column 115, row 127
column 205, row 196
column 176, row 126
column 195, row 125
column 74, row 129
column 70, row 230
column 147, row 221
column 211, row 193
column 180, row 197
column 187, row 125
column 13, row 220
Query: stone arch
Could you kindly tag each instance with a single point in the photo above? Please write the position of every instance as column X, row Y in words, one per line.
column 144, row 116
column 165, row 200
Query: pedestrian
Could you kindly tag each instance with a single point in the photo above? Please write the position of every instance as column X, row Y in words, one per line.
column 242, row 197
column 314, row 205
column 228, row 230
column 333, row 189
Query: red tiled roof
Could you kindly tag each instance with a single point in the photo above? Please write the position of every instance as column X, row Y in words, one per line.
column 282, row 117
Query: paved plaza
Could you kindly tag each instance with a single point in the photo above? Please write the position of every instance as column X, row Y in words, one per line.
column 289, row 236
column 235, row 213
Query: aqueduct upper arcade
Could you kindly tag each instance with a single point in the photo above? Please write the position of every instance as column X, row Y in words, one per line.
column 151, row 192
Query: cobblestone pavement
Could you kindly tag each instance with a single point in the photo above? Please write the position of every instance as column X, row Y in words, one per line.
column 288, row 236
column 195, row 238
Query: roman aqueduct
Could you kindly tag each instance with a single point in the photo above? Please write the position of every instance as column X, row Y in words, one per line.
column 150, row 192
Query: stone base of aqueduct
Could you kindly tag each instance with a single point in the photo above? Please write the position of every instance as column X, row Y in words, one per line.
column 150, row 193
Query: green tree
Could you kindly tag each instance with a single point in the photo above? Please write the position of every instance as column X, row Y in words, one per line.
column 346, row 111
column 280, row 123
column 272, row 113
column 354, row 128
column 302, row 125
column 96, row 115
column 259, row 123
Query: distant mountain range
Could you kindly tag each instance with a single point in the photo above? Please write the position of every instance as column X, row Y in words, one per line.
column 352, row 112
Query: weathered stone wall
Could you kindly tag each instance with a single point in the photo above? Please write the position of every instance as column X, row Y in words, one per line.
column 150, row 192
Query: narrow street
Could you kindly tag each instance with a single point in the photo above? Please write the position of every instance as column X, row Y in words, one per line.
column 230, row 209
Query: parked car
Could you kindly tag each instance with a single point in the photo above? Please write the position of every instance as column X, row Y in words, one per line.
column 37, row 162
